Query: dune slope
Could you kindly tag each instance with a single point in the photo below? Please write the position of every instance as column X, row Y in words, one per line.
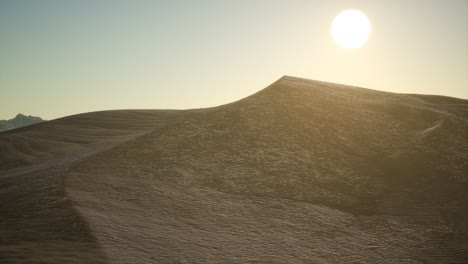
column 38, row 221
column 301, row 172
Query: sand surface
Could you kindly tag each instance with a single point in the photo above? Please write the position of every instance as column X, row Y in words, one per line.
column 300, row 172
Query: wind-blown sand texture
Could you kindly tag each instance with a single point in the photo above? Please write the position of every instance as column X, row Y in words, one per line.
column 300, row 172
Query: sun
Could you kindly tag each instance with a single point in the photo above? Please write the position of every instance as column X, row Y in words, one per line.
column 351, row 29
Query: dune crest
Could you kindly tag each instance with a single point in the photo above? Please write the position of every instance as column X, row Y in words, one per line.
column 303, row 172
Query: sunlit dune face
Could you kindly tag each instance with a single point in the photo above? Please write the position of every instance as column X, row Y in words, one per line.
column 351, row 29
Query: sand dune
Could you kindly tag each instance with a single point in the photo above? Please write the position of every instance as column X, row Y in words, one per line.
column 301, row 172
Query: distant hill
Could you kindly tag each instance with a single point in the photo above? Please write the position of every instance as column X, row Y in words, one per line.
column 20, row 120
column 301, row 172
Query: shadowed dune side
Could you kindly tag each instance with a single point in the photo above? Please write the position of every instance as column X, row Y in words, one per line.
column 38, row 222
column 301, row 172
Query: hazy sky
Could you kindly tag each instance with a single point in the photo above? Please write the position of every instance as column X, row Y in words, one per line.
column 65, row 57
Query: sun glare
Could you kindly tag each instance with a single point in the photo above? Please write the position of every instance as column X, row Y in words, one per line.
column 351, row 29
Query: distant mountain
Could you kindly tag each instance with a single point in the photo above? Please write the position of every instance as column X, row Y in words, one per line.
column 20, row 120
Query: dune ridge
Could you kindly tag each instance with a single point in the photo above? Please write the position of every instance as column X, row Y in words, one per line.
column 301, row 172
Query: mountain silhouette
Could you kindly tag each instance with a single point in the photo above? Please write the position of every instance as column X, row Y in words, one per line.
column 20, row 120
column 301, row 172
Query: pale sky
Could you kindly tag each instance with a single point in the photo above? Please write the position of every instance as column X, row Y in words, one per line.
column 59, row 58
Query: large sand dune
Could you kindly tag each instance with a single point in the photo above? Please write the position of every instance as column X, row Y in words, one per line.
column 301, row 172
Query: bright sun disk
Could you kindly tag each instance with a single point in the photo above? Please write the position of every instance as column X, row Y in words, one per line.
column 351, row 29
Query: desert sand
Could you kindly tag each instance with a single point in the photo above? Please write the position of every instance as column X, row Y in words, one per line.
column 301, row 172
